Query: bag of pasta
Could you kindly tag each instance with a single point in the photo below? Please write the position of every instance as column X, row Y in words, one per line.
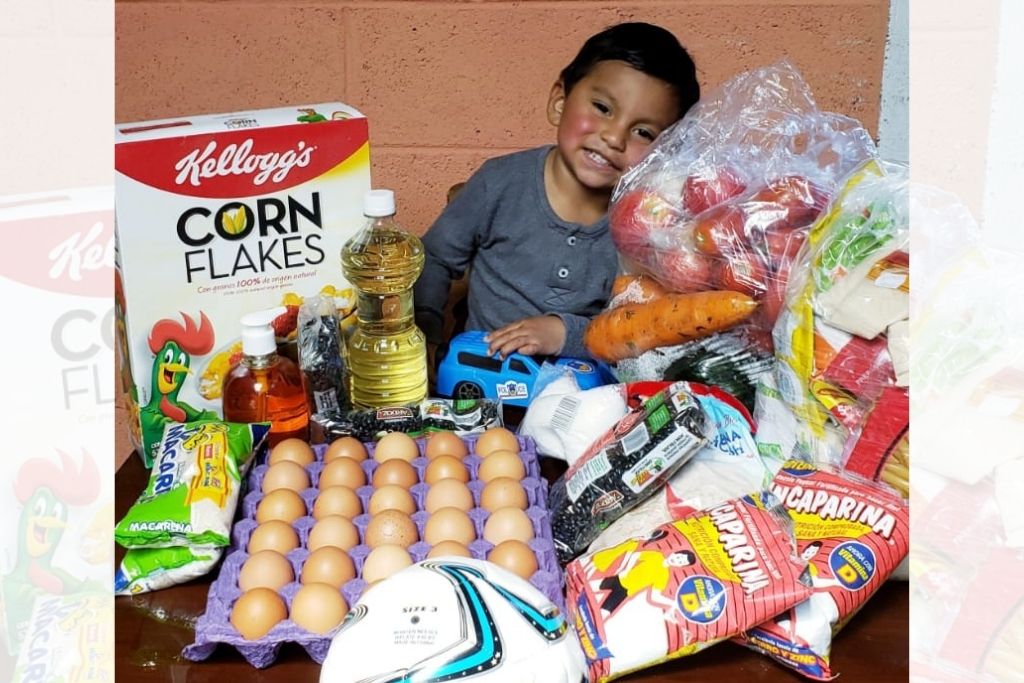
column 838, row 392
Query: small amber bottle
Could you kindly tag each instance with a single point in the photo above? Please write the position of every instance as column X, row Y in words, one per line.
column 265, row 386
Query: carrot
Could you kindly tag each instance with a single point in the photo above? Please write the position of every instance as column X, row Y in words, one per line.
column 631, row 329
column 636, row 288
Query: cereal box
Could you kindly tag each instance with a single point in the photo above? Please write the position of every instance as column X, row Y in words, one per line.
column 218, row 216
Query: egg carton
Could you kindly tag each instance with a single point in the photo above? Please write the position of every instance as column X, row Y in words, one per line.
column 214, row 627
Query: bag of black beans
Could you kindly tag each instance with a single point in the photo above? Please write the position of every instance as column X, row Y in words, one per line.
column 624, row 467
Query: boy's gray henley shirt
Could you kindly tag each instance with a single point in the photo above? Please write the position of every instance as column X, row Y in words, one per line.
column 526, row 261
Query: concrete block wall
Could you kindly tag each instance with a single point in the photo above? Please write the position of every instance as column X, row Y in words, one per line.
column 448, row 84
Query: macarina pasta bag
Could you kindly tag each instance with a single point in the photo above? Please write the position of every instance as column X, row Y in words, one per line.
column 853, row 533
column 685, row 586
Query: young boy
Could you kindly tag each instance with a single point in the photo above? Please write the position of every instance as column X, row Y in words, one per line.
column 533, row 224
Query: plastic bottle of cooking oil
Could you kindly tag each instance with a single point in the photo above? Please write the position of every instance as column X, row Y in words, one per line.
column 264, row 386
column 387, row 352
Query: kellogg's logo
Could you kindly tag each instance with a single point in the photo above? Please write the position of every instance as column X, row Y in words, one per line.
column 67, row 254
column 239, row 160
column 239, row 163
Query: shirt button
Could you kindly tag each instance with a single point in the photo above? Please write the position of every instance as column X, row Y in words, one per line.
column 571, row 241
column 563, row 273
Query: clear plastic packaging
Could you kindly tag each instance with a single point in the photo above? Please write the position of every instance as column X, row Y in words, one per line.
column 835, row 395
column 725, row 198
column 322, row 354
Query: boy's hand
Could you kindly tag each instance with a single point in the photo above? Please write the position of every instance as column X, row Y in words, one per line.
column 539, row 335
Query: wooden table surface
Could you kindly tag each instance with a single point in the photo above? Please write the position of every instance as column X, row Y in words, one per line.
column 151, row 630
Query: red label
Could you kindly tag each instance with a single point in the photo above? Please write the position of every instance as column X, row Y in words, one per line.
column 241, row 163
column 69, row 254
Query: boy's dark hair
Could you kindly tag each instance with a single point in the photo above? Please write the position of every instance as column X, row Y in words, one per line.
column 645, row 47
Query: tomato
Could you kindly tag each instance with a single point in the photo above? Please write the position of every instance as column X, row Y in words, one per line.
column 722, row 230
column 743, row 272
column 637, row 214
column 801, row 199
column 705, row 190
column 772, row 301
column 781, row 246
column 685, row 271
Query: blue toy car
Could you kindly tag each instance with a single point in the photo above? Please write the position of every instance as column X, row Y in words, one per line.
column 468, row 372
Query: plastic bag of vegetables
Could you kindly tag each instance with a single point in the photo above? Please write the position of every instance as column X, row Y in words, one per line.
column 695, row 326
column 725, row 197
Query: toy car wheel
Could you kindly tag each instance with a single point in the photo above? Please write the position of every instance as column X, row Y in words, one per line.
column 467, row 390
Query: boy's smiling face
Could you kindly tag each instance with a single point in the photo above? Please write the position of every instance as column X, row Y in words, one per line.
column 607, row 122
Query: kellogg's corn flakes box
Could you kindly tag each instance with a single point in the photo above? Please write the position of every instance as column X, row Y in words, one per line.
column 218, row 216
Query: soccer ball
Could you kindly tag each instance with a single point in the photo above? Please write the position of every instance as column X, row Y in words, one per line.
column 454, row 619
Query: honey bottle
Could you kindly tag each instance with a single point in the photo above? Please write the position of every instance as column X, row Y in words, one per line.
column 265, row 386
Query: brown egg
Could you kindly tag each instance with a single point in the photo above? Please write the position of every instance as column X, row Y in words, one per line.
column 384, row 561
column 515, row 556
column 391, row 527
column 337, row 500
column 318, row 607
column 283, row 504
column 496, row 439
column 342, row 472
column 397, row 472
column 449, row 548
column 285, row 475
column 448, row 493
column 296, row 450
column 396, row 445
column 445, row 443
column 257, row 611
column 501, row 463
column 449, row 524
column 333, row 530
column 392, row 497
column 265, row 569
column 328, row 565
column 508, row 523
column 345, row 447
column 503, row 492
column 276, row 535
column 446, row 467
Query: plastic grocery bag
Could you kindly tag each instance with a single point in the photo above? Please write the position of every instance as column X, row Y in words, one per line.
column 726, row 196
column 839, row 381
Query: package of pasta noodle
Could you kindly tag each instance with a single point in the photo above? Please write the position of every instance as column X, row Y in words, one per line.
column 853, row 533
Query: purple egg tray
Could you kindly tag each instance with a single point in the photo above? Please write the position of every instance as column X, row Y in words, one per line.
column 214, row 627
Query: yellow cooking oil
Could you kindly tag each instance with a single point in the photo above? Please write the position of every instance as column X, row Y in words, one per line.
column 387, row 352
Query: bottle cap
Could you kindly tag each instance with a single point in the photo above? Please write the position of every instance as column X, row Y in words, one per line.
column 377, row 203
column 258, row 331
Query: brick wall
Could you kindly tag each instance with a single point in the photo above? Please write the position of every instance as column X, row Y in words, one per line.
column 446, row 85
